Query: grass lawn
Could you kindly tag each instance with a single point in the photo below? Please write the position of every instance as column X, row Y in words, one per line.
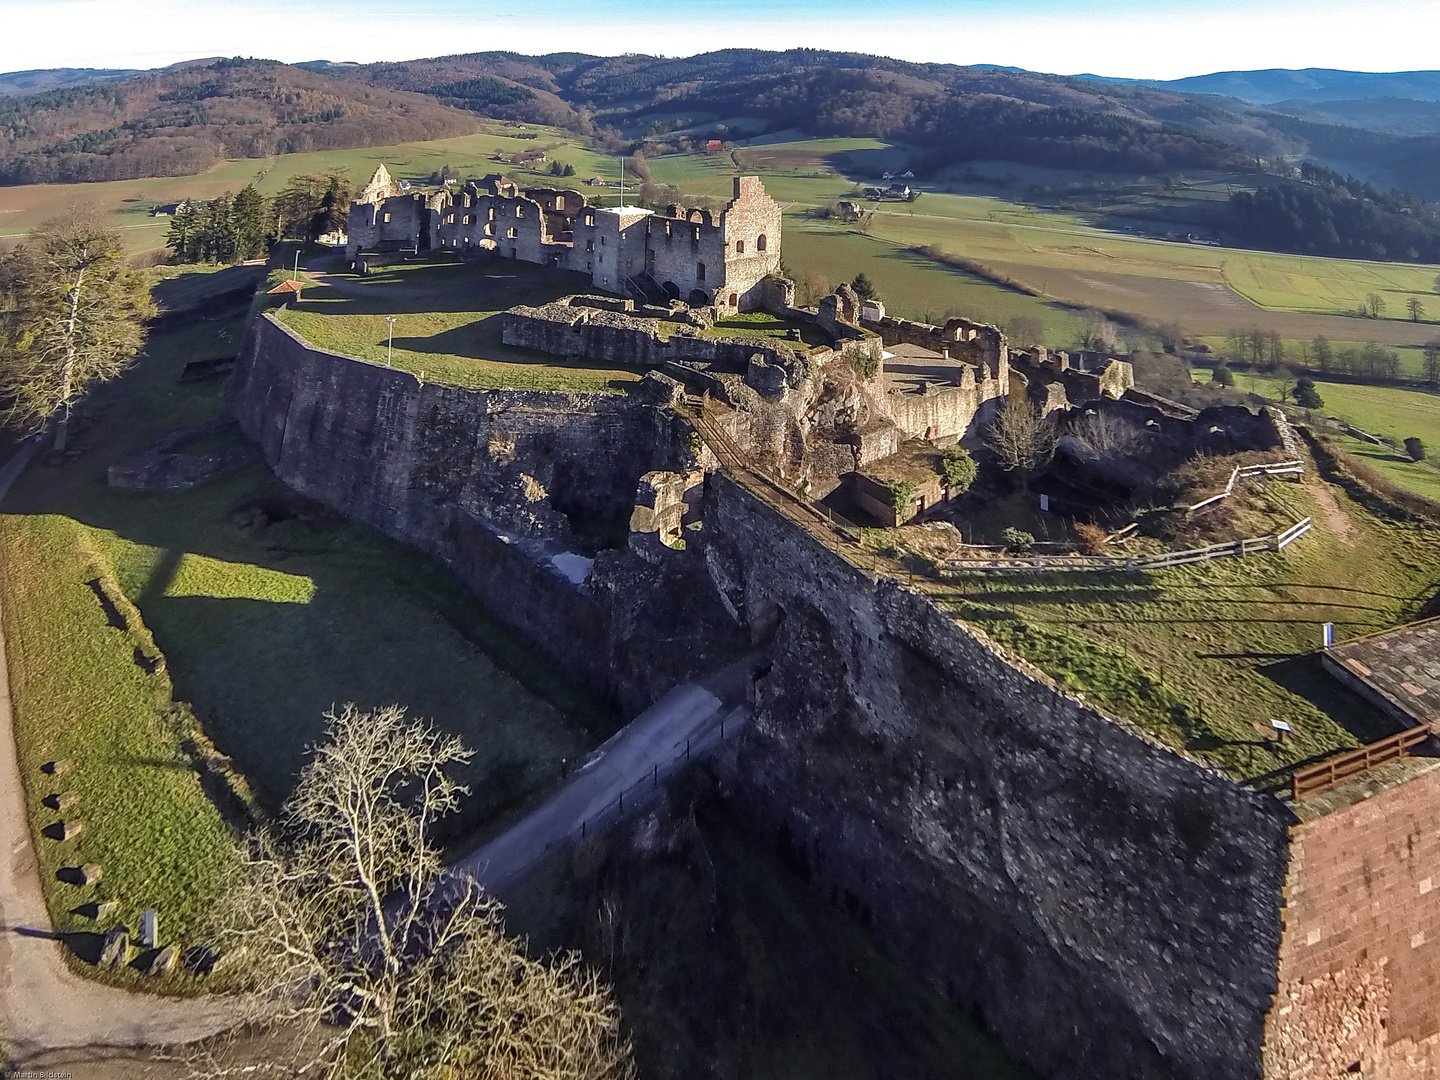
column 80, row 695
column 763, row 324
column 1394, row 412
column 1203, row 658
column 447, row 324
column 264, row 622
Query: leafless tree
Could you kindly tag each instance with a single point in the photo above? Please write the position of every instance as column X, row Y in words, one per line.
column 1416, row 307
column 1104, row 435
column 1021, row 438
column 342, row 920
column 1374, row 305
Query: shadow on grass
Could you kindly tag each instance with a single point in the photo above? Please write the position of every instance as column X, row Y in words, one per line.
column 1305, row 677
column 482, row 285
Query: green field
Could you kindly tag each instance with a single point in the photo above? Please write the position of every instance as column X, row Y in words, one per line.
column 1391, row 412
column 447, row 324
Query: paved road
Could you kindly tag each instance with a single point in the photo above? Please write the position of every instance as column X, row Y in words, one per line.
column 44, row 1006
column 687, row 722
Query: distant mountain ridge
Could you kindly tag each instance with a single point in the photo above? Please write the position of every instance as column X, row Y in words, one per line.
column 39, row 80
column 1273, row 85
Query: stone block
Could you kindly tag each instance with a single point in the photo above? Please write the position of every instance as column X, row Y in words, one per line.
column 59, row 767
column 163, row 962
column 61, row 800
column 115, row 949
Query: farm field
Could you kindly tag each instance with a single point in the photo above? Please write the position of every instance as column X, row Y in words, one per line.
column 127, row 202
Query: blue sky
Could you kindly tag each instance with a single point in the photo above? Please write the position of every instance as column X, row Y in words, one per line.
column 1156, row 39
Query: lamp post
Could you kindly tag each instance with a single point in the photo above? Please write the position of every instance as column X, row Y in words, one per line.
column 390, row 341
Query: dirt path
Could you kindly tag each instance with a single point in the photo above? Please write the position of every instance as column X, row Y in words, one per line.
column 1336, row 520
column 44, row 1006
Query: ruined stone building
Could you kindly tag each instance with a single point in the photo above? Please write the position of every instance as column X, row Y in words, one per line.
column 682, row 254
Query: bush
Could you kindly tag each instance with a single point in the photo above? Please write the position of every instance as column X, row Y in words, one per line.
column 901, row 492
column 1090, row 538
column 1415, row 448
column 959, row 470
column 1222, row 376
column 1018, row 539
column 1306, row 396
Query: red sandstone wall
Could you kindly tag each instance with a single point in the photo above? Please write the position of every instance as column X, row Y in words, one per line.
column 1360, row 955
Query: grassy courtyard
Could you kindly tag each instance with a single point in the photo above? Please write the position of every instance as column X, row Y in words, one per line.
column 446, row 323
column 1203, row 658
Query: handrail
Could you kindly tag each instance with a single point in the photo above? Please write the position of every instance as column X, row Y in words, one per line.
column 1342, row 767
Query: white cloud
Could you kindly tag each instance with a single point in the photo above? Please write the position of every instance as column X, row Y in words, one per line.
column 1150, row 40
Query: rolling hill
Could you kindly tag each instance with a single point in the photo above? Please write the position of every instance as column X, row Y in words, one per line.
column 184, row 119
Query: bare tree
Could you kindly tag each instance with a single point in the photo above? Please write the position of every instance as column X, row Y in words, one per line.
column 1416, row 308
column 76, row 318
column 1374, row 305
column 1099, row 435
column 1021, row 438
column 342, row 918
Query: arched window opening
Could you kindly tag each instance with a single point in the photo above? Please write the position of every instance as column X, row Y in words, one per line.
column 739, row 247
column 760, row 242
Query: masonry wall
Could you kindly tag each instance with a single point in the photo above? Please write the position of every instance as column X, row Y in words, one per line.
column 752, row 243
column 1107, row 907
column 677, row 248
column 486, row 481
column 1360, row 957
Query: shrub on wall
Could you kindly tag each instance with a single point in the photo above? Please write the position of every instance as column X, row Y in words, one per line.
column 901, row 492
column 959, row 470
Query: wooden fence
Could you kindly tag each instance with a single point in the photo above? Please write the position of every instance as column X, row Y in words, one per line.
column 1278, row 468
column 1325, row 775
column 1229, row 549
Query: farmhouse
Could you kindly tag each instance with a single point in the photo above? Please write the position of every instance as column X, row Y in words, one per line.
column 683, row 254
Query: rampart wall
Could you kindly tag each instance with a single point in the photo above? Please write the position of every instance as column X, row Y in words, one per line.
column 487, row 481
column 1106, row 906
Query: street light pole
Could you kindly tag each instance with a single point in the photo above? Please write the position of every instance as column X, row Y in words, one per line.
column 390, row 341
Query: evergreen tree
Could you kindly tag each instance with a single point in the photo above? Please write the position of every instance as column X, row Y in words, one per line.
column 218, row 231
column 184, row 233
column 1222, row 376
column 1306, row 396
column 251, row 220
column 863, row 288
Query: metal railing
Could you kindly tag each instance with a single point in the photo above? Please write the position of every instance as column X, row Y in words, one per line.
column 1325, row 775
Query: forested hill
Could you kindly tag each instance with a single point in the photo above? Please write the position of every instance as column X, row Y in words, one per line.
column 184, row 119
column 954, row 112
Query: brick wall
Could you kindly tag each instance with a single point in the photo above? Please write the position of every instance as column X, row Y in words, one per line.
column 1360, row 954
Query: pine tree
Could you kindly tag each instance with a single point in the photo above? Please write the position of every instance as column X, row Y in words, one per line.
column 218, row 232
column 251, row 222
column 184, row 233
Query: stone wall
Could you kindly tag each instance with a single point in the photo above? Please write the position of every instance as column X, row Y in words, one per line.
column 487, row 481
column 1361, row 953
column 575, row 329
column 1107, row 907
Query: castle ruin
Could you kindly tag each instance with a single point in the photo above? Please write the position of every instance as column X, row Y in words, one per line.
column 690, row 255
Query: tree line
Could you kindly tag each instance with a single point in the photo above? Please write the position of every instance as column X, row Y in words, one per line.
column 234, row 228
